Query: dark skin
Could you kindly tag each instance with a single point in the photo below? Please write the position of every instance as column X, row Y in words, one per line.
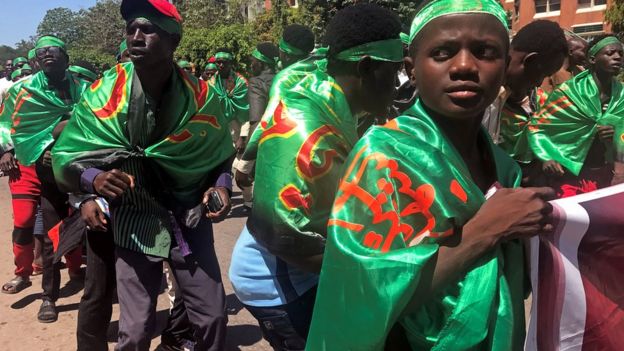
column 368, row 87
column 8, row 68
column 208, row 74
column 151, row 51
column 462, row 58
column 288, row 59
column 577, row 52
column 527, row 70
column 224, row 66
column 605, row 66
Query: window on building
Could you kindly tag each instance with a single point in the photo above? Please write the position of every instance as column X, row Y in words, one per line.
column 543, row 6
column 589, row 31
column 587, row 4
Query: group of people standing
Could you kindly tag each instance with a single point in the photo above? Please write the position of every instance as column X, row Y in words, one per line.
column 374, row 223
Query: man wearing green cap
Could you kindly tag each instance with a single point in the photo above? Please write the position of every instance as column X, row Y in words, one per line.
column 209, row 71
column 263, row 64
column 296, row 44
column 416, row 257
column 186, row 66
column 39, row 107
column 231, row 87
column 301, row 152
column 83, row 70
column 151, row 139
column 19, row 62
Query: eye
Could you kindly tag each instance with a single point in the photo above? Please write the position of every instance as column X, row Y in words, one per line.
column 441, row 53
column 487, row 52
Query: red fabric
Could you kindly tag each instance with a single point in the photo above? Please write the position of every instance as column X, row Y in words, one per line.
column 23, row 258
column 26, row 183
column 53, row 234
column 166, row 8
column 212, row 59
column 24, row 213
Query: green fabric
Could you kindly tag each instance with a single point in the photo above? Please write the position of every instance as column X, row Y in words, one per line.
column 19, row 60
column 439, row 8
column 262, row 57
column 566, row 125
column 234, row 101
column 31, row 54
column 26, row 67
column 404, row 38
column 168, row 24
column 300, row 147
column 514, row 130
column 83, row 71
column 50, row 40
column 290, row 49
column 35, row 110
column 16, row 73
column 390, row 50
column 223, row 56
column 602, row 44
column 405, row 189
column 123, row 47
column 184, row 64
column 211, row 66
column 198, row 140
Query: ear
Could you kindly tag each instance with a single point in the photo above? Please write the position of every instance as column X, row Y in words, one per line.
column 410, row 70
column 365, row 67
column 530, row 59
column 591, row 60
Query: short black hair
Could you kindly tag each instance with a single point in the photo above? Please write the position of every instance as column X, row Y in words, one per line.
column 360, row 24
column 299, row 36
column 268, row 49
column 543, row 37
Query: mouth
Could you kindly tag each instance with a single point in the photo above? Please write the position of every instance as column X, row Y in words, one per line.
column 616, row 65
column 464, row 92
column 48, row 61
column 137, row 53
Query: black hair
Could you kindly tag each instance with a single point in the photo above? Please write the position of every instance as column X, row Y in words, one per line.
column 359, row 24
column 86, row 65
column 596, row 39
column 268, row 49
column 543, row 37
column 299, row 36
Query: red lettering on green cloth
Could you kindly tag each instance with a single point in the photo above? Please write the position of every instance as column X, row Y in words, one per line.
column 306, row 165
column 281, row 125
column 118, row 96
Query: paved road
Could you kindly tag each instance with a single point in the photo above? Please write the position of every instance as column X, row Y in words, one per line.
column 19, row 329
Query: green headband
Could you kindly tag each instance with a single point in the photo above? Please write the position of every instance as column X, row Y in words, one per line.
column 441, row 8
column 168, row 24
column 19, row 60
column 31, row 54
column 223, row 56
column 26, row 67
column 390, row 50
column 211, row 66
column 16, row 73
column 404, row 38
column 49, row 40
column 262, row 57
column 602, row 44
column 83, row 71
column 289, row 49
column 184, row 64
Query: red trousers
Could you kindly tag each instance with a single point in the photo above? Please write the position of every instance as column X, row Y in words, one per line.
column 25, row 190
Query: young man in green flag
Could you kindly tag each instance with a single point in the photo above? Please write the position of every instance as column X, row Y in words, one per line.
column 296, row 44
column 301, row 152
column 231, row 87
column 264, row 60
column 38, row 108
column 573, row 133
column 152, row 140
column 416, row 257
column 209, row 71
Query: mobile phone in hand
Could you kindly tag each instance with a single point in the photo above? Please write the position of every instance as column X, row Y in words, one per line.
column 215, row 203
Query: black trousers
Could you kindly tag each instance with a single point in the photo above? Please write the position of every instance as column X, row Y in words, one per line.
column 198, row 275
column 54, row 208
column 96, row 304
column 286, row 327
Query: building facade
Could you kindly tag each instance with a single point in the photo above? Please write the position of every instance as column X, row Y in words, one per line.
column 583, row 17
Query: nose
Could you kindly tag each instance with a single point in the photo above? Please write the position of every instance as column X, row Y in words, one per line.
column 463, row 64
column 136, row 35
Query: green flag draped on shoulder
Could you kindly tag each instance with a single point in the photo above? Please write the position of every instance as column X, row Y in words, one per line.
column 110, row 118
column 34, row 110
column 406, row 188
column 566, row 126
column 302, row 142
column 234, row 101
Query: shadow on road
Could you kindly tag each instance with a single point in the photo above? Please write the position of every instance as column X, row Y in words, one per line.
column 161, row 323
column 25, row 301
column 242, row 335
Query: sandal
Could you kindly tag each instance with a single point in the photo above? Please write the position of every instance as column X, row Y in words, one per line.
column 36, row 271
column 16, row 285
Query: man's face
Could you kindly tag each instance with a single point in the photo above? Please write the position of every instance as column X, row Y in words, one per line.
column 148, row 45
column 8, row 65
column 578, row 49
column 256, row 66
column 224, row 67
column 609, row 59
column 209, row 73
column 379, row 88
column 459, row 64
column 52, row 59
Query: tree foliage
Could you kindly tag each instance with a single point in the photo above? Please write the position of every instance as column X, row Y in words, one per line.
column 62, row 23
column 615, row 16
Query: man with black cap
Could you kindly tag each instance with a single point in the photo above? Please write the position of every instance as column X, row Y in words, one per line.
column 150, row 138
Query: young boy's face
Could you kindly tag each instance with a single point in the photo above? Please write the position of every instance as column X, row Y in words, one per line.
column 459, row 64
column 609, row 59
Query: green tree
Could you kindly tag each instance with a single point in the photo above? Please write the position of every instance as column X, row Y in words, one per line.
column 102, row 27
column 61, row 22
column 615, row 16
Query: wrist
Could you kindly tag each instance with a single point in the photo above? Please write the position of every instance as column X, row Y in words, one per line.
column 477, row 239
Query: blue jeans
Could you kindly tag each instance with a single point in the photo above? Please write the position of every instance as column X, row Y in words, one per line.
column 286, row 327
